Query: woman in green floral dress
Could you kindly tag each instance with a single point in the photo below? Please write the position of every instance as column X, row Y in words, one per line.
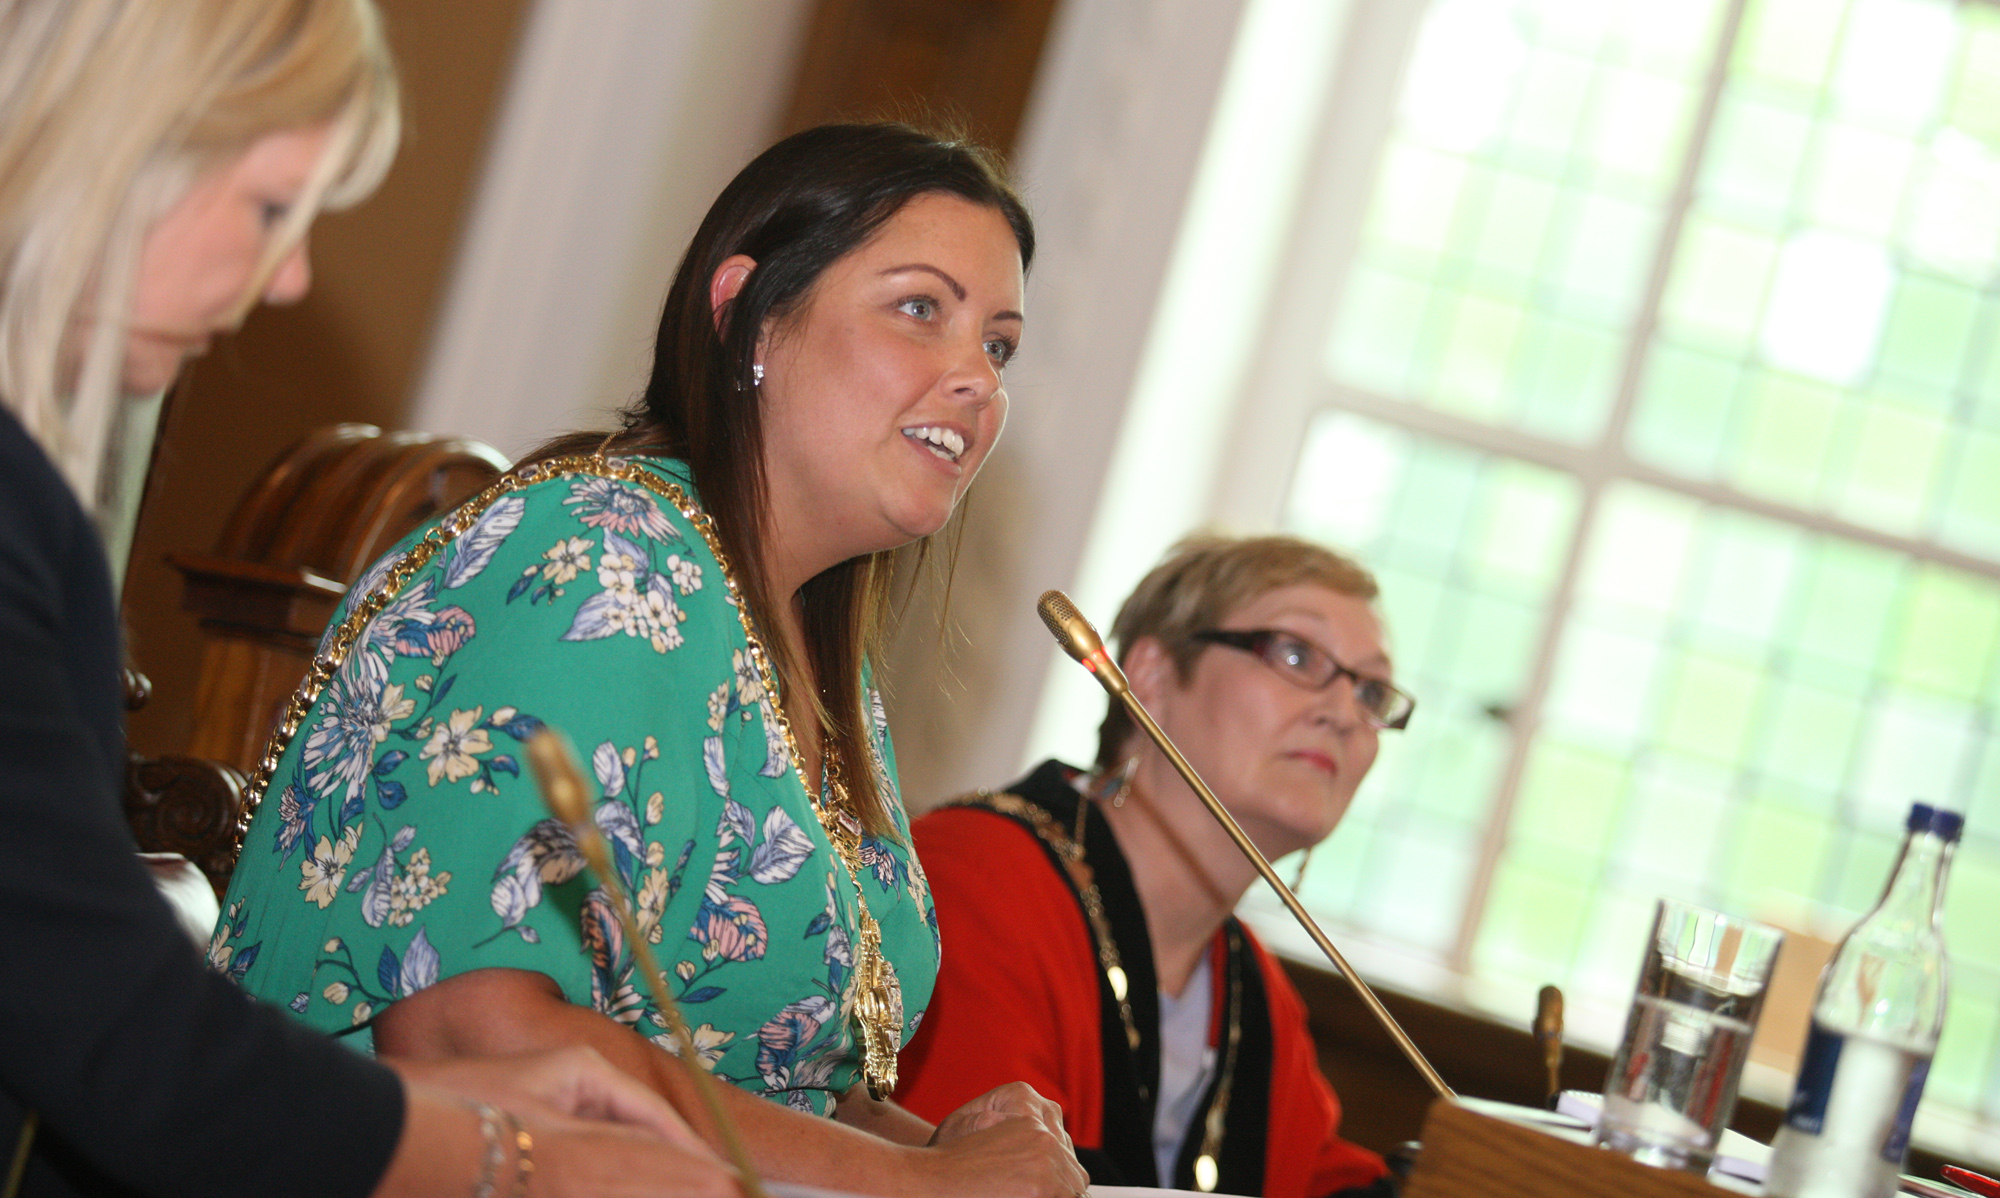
column 693, row 601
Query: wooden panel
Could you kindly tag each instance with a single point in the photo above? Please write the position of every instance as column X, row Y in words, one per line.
column 970, row 61
column 1384, row 1099
column 244, row 685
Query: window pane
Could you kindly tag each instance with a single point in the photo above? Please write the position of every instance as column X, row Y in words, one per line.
column 1805, row 726
column 1634, row 116
column 1417, row 198
column 1555, row 90
column 1686, row 400
column 1751, row 170
column 1384, row 313
column 1789, row 43
column 1715, row 296
column 1856, row 179
column 1478, row 337
column 1565, row 370
column 1787, row 432
column 1740, row 713
column 1824, row 338
column 1509, row 237
column 1606, row 245
column 1467, row 548
column 1895, row 57
column 1965, row 1052
column 1522, row 192
column 1823, row 316
column 1950, row 223
column 1972, row 511
column 1929, row 330
column 1894, row 455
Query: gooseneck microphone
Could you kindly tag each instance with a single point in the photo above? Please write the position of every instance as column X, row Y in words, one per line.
column 555, row 769
column 1081, row 641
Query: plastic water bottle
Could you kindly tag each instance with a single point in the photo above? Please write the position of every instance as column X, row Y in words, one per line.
column 1875, row 1025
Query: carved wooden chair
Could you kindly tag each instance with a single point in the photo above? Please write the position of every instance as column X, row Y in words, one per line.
column 316, row 519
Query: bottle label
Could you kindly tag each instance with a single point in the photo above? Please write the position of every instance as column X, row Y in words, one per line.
column 1815, row 1084
column 1898, row 1144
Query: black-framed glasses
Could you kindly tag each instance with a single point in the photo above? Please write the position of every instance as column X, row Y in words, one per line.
column 1304, row 664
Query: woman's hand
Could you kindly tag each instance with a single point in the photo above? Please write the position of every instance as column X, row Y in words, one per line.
column 1006, row 1155
column 578, row 1159
column 1013, row 1100
column 495, row 1010
column 446, row 1147
column 574, row 1082
column 596, row 1130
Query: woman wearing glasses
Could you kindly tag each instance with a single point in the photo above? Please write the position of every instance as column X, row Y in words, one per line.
column 1090, row 946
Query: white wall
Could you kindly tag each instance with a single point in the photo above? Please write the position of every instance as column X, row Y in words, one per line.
column 622, row 122
column 1108, row 152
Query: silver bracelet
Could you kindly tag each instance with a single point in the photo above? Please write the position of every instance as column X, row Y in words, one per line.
column 490, row 1118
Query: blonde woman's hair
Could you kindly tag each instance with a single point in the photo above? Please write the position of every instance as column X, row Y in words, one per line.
column 109, row 111
column 1201, row 581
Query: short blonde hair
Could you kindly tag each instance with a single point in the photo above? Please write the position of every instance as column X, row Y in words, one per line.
column 109, row 110
column 1202, row 579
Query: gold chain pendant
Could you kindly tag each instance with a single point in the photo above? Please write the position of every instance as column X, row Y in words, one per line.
column 878, row 993
column 878, row 1008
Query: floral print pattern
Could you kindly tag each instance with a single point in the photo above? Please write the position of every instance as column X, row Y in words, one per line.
column 402, row 842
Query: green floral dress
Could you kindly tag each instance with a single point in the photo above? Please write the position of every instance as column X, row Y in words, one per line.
column 400, row 841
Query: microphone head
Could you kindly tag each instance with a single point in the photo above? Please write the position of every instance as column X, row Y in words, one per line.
column 556, row 772
column 1549, row 1013
column 1068, row 626
column 1081, row 641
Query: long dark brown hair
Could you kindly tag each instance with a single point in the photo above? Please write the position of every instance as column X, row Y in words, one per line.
column 796, row 209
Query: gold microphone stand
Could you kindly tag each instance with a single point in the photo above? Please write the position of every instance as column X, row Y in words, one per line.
column 23, row 1144
column 1548, row 1027
column 563, row 790
column 1081, row 641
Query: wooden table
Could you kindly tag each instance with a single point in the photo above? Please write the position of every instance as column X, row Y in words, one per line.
column 1467, row 1153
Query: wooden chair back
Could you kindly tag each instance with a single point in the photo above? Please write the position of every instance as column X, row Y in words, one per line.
column 305, row 531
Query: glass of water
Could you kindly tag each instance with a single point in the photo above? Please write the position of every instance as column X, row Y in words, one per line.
column 1672, row 1085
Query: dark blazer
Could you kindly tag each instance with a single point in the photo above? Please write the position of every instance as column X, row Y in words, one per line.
column 151, row 1073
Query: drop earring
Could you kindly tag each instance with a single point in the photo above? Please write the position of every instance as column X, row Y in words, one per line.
column 1116, row 794
column 1102, row 787
column 757, row 374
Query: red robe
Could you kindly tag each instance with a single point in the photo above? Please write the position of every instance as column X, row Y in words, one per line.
column 1021, row 997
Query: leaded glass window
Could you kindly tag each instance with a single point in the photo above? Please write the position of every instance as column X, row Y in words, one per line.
column 1660, row 383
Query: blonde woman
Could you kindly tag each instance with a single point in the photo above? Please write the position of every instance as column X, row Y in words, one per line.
column 160, row 161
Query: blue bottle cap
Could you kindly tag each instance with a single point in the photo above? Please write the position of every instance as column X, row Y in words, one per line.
column 1936, row 821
